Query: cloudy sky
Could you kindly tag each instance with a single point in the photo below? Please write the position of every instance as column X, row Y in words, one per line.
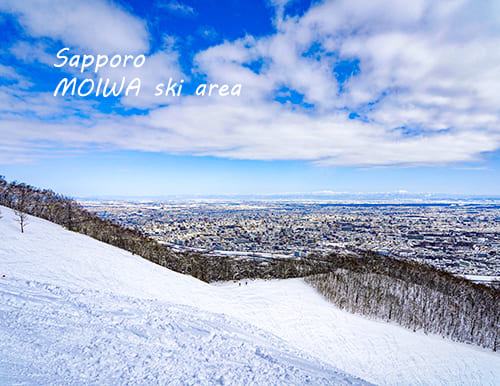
column 343, row 95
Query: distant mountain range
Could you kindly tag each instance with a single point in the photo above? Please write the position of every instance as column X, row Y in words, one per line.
column 340, row 197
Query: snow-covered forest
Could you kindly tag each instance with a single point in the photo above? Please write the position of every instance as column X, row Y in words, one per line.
column 431, row 302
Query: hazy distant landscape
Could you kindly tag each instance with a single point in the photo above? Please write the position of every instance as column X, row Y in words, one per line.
column 461, row 238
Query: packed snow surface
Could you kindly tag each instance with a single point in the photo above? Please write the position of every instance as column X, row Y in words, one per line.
column 74, row 310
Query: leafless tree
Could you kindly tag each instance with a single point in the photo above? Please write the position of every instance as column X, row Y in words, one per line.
column 21, row 205
column 21, row 218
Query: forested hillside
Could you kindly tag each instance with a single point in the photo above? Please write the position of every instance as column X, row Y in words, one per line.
column 416, row 296
column 46, row 204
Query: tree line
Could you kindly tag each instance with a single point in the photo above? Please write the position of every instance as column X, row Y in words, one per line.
column 414, row 295
column 65, row 211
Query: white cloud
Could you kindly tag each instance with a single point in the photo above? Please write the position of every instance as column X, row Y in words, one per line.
column 33, row 52
column 207, row 32
column 91, row 27
column 426, row 92
column 418, row 70
column 95, row 25
column 177, row 7
column 10, row 74
column 239, row 130
column 159, row 67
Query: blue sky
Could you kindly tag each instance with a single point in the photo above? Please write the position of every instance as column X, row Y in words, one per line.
column 346, row 96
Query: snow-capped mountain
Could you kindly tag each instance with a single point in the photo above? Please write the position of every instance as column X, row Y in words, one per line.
column 75, row 310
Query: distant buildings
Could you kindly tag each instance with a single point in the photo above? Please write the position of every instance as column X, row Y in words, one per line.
column 460, row 239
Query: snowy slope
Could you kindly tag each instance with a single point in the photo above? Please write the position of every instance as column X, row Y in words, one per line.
column 51, row 335
column 77, row 310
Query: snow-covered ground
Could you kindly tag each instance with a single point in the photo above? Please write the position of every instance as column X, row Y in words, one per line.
column 74, row 310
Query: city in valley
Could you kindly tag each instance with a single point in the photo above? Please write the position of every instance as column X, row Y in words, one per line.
column 463, row 239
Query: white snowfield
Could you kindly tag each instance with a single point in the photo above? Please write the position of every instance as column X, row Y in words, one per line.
column 77, row 311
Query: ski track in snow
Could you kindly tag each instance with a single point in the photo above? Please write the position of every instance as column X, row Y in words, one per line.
column 74, row 310
column 54, row 336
